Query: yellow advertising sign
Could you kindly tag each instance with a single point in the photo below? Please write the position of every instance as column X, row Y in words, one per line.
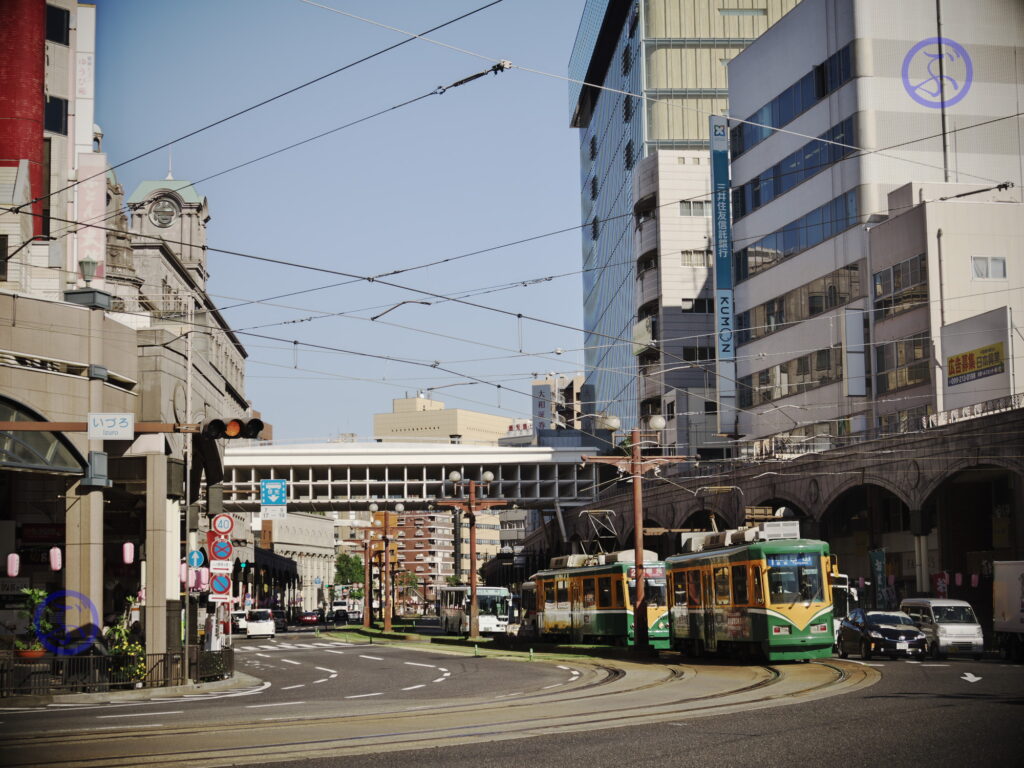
column 975, row 364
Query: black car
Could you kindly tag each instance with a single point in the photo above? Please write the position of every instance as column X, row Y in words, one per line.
column 886, row 633
column 339, row 616
column 280, row 620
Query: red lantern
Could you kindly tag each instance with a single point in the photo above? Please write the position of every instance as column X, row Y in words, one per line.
column 13, row 565
column 128, row 553
column 55, row 559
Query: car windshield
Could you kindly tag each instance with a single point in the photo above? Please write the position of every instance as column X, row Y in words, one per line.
column 954, row 614
column 888, row 618
column 261, row 615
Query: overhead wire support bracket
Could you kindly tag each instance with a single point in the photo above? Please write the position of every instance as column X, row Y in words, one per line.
column 501, row 66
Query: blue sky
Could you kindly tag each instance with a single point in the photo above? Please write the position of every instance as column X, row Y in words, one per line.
column 484, row 164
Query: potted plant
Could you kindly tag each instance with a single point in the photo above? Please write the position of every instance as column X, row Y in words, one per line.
column 39, row 623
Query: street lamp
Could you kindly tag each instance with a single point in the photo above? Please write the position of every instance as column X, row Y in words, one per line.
column 637, row 466
column 470, row 506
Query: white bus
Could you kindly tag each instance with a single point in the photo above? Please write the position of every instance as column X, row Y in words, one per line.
column 493, row 606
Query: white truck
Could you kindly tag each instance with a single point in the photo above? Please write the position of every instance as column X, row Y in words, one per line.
column 1008, row 608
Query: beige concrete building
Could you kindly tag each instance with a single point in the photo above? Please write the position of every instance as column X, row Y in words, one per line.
column 420, row 419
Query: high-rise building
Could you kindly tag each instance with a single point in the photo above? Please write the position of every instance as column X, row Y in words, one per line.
column 661, row 68
column 837, row 314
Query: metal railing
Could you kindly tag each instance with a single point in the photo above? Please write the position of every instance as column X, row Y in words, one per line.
column 48, row 674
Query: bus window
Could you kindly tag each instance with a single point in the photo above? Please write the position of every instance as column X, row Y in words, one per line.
column 604, row 592
column 722, row 586
column 589, row 593
column 679, row 588
column 563, row 591
column 739, row 584
column 693, row 587
column 758, row 588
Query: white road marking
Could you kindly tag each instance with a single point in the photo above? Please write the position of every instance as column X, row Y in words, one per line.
column 264, row 655
column 561, row 667
column 439, row 680
column 363, row 695
column 935, row 665
column 278, row 704
column 334, row 675
column 141, row 714
column 447, row 674
column 289, row 661
column 321, row 680
column 334, row 651
column 293, row 687
column 441, row 669
column 121, row 727
column 556, row 685
column 969, row 677
column 374, row 658
column 325, row 669
column 413, row 687
column 416, row 664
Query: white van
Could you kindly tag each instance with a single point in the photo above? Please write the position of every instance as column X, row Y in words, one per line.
column 259, row 622
column 949, row 626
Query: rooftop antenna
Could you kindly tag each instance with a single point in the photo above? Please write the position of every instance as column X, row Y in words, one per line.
column 170, row 166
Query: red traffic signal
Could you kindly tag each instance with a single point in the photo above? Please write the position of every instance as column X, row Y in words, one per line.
column 232, row 429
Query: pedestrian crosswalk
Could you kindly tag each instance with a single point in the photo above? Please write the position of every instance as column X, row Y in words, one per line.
column 289, row 647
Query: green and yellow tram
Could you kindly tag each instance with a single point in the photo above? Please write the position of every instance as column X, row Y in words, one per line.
column 755, row 599
column 591, row 599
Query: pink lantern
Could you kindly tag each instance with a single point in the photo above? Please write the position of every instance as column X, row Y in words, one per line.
column 183, row 573
column 204, row 578
column 13, row 565
column 128, row 553
column 959, row 579
column 56, row 561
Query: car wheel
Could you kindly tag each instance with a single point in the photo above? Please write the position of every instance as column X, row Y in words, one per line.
column 865, row 650
column 936, row 653
column 843, row 653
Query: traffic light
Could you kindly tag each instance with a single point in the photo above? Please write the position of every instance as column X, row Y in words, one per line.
column 231, row 429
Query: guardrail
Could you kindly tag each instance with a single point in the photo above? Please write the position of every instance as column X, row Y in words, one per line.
column 49, row 674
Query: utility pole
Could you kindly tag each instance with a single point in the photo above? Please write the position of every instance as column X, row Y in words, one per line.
column 470, row 506
column 637, row 466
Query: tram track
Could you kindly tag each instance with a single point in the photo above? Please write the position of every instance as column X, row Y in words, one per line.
column 218, row 743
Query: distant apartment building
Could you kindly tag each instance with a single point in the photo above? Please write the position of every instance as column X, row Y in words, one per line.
column 420, row 419
column 846, row 273
column 661, row 65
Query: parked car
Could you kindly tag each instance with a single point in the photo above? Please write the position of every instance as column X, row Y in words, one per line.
column 949, row 626
column 280, row 620
column 337, row 616
column 238, row 622
column 259, row 623
column 888, row 633
column 309, row 619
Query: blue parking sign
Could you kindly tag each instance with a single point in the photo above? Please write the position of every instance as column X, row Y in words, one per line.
column 273, row 492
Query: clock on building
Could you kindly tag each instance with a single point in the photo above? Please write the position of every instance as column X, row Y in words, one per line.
column 163, row 212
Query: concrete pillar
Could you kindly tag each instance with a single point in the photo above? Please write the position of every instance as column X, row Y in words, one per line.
column 84, row 542
column 162, row 586
column 921, row 581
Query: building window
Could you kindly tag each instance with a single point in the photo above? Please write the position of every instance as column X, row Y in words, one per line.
column 627, row 109
column 901, row 287
column 698, row 306
column 691, row 354
column 627, row 61
column 593, row 148
column 593, row 187
column 696, row 258
column 792, row 377
column 595, row 230
column 58, row 25
column 901, row 364
column 988, row 267
column 694, row 208
column 710, row 406
column 56, row 115
column 3, row 257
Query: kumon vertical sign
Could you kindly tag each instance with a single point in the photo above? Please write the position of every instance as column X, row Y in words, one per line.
column 721, row 219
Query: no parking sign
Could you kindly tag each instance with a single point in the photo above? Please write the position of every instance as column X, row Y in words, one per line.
column 220, row 588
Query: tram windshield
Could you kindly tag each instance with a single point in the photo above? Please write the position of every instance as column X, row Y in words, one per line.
column 794, row 577
column 655, row 593
column 493, row 605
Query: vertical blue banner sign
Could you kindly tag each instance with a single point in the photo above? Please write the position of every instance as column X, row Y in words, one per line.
column 724, row 310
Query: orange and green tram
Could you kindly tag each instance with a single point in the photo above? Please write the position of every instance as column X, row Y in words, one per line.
column 594, row 603
column 763, row 599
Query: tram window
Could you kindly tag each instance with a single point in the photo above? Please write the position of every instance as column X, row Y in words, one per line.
column 693, row 587
column 679, row 588
column 739, row 584
column 563, row 591
column 604, row 594
column 722, row 586
column 588, row 593
column 621, row 599
column 654, row 593
column 758, row 589
column 549, row 594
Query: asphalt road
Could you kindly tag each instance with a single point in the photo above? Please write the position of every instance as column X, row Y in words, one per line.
column 313, row 696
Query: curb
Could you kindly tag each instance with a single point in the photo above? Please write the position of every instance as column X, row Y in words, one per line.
column 238, row 681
